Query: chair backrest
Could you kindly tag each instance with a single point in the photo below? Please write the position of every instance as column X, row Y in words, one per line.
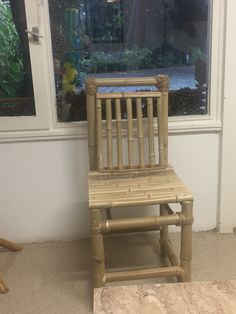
column 113, row 106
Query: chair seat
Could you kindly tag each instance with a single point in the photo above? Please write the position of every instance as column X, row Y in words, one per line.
column 136, row 187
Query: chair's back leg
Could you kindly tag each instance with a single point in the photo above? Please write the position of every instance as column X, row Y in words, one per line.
column 163, row 232
column 186, row 241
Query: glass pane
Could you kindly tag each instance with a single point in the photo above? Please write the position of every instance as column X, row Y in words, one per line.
column 16, row 88
column 114, row 38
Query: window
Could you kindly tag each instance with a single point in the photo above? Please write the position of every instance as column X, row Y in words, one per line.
column 16, row 93
column 23, row 102
column 131, row 38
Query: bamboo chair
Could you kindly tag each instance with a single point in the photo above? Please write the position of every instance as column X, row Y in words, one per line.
column 14, row 248
column 146, row 183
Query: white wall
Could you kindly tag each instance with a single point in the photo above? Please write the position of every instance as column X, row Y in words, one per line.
column 227, row 213
column 43, row 185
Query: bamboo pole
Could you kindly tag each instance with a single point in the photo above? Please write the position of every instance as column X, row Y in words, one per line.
column 162, row 83
column 165, row 125
column 150, row 131
column 144, row 273
column 139, row 223
column 126, row 81
column 109, row 134
column 186, row 241
column 91, row 88
column 97, row 248
column 161, row 131
column 3, row 287
column 119, row 135
column 130, row 132
column 140, row 132
column 99, row 134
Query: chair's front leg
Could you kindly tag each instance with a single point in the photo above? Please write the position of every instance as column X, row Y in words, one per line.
column 186, row 241
column 97, row 248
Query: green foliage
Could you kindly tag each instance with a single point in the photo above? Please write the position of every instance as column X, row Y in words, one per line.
column 11, row 64
column 128, row 59
column 196, row 54
column 137, row 58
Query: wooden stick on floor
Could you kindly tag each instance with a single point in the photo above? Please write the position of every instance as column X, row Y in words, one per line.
column 3, row 287
column 10, row 245
column 14, row 248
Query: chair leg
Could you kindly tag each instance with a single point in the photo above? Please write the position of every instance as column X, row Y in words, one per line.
column 97, row 248
column 3, row 287
column 186, row 241
column 163, row 233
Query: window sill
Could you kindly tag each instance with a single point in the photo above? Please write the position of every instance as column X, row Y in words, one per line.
column 79, row 131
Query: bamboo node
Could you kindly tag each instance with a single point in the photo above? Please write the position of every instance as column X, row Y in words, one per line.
column 91, row 86
column 162, row 83
column 186, row 258
column 183, row 220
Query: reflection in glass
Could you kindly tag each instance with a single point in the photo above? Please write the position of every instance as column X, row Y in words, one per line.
column 130, row 38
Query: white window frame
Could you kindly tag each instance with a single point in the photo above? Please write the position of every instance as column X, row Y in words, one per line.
column 46, row 126
column 38, row 56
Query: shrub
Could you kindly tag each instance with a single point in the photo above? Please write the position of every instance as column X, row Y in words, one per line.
column 133, row 59
column 136, row 58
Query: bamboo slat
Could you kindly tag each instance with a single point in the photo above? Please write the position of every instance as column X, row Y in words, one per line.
column 109, row 134
column 128, row 95
column 140, row 132
column 130, row 132
column 150, row 131
column 99, row 134
column 161, row 131
column 119, row 135
column 136, row 189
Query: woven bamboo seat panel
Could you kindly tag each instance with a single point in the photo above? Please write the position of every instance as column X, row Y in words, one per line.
column 137, row 187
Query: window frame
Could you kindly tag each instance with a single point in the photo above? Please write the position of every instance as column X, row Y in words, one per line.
column 38, row 58
column 46, row 126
